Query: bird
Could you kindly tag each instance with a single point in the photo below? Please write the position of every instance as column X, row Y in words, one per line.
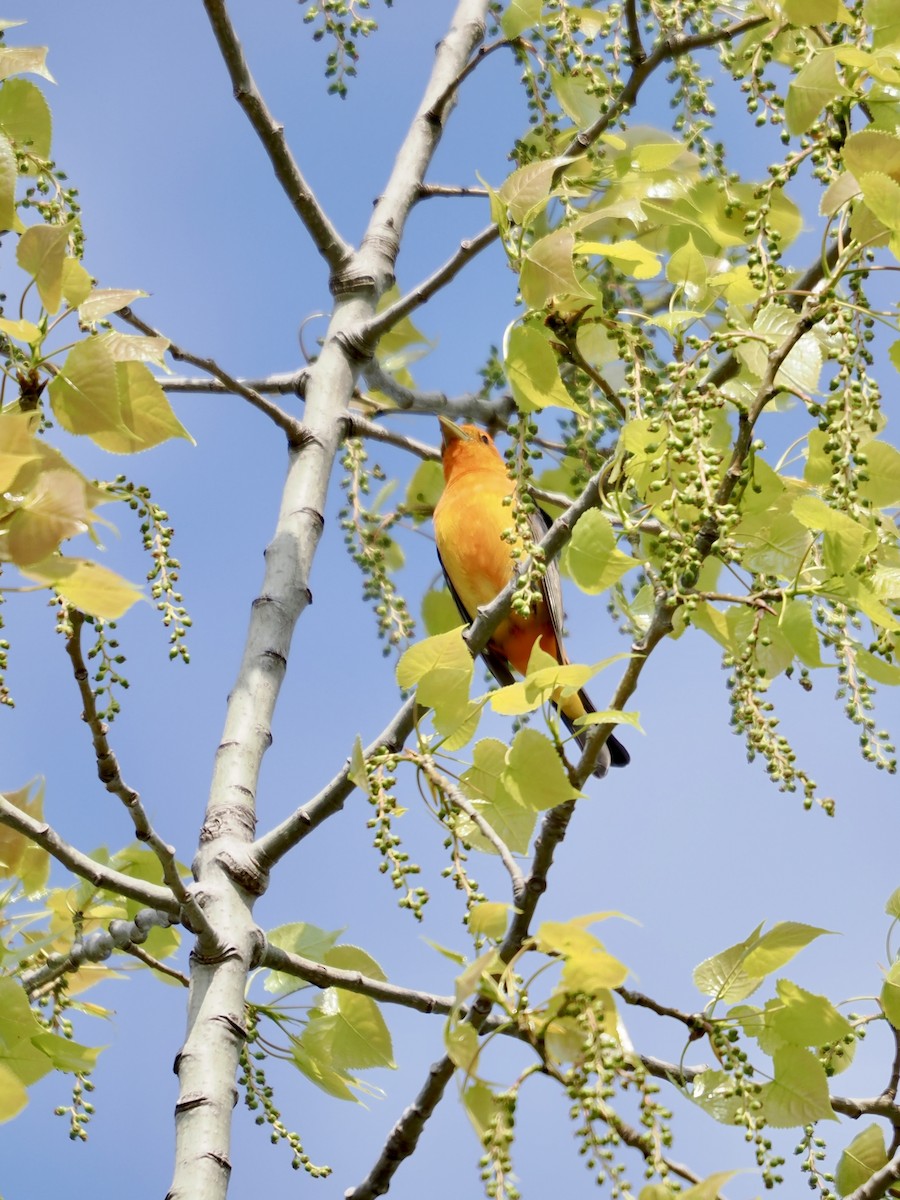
column 472, row 524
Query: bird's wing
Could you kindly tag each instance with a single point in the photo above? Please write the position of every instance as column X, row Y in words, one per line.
column 551, row 586
column 497, row 665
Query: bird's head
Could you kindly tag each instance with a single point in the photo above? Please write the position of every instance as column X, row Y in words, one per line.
column 467, row 448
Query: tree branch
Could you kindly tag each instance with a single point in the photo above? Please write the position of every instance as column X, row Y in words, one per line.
column 48, row 839
column 404, row 1137
column 324, row 976
column 325, row 236
column 272, row 846
column 390, row 316
column 108, row 768
column 470, row 407
column 456, row 799
column 296, row 432
column 292, row 383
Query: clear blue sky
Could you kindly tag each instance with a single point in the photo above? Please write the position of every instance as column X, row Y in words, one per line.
column 691, row 841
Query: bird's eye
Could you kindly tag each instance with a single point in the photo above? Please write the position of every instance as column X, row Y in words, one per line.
column 485, row 438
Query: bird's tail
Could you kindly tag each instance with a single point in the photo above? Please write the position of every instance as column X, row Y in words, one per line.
column 614, row 753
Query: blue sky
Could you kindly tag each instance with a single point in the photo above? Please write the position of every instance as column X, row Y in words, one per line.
column 691, row 842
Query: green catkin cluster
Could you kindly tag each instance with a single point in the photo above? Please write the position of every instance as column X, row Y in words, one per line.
column 395, row 862
column 741, row 1096
column 163, row 575
column 602, row 1071
column 528, row 560
column 495, row 1165
column 368, row 541
column 343, row 23
column 259, row 1097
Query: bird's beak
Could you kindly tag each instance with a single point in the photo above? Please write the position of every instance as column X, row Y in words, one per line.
column 450, row 432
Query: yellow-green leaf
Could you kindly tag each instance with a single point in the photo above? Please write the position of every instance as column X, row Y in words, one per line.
column 86, row 585
column 489, row 918
column 19, row 60
column 102, row 302
column 592, row 557
column 547, row 270
column 865, row 1155
column 41, row 252
column 533, row 373
column 534, row 774
column 54, row 509
column 145, row 414
column 76, row 282
column 20, row 857
column 890, row 995
column 85, row 394
column 799, row 1093
column 25, row 118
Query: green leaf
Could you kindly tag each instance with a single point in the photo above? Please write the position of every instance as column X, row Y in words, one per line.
column 66, row 1055
column 890, row 995
column 799, row 628
column 631, row 257
column 439, row 612
column 9, row 174
column 779, row 945
column 485, row 785
column 462, row 1045
column 313, row 1059
column 814, row 86
column 424, row 489
column 359, row 1035
column 804, row 1019
column 41, row 253
column 686, row 270
column 18, row 1028
column 102, row 302
column 357, row 773
column 54, row 509
column 872, row 150
column 865, row 1155
column 129, row 347
column 519, row 16
column 815, row 12
column 533, row 372
column 445, row 651
column 304, row 939
column 527, row 188
column 723, row 975
column 489, row 918
column 86, row 585
column 84, row 395
column 892, row 904
column 882, row 487
column 534, row 774
column 353, row 958
column 845, row 538
column 21, row 331
column 547, row 270
column 76, row 282
column 25, row 118
column 146, row 416
column 20, row 857
column 799, row 1093
column 592, row 557
column 13, row 1094
column 881, row 194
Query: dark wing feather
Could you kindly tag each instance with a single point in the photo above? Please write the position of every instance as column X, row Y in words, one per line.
column 540, row 522
column 497, row 666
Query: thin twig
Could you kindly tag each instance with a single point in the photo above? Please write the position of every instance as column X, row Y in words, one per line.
column 324, row 976
column 470, row 407
column 360, row 427
column 455, row 797
column 297, row 433
column 47, row 838
column 390, row 316
column 429, row 190
column 272, row 846
column 292, row 383
column 270, row 132
column 148, row 960
column 108, row 769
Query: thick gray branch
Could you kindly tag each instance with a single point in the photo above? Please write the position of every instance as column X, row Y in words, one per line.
column 327, row 240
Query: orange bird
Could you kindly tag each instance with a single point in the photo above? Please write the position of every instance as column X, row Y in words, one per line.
column 470, row 520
